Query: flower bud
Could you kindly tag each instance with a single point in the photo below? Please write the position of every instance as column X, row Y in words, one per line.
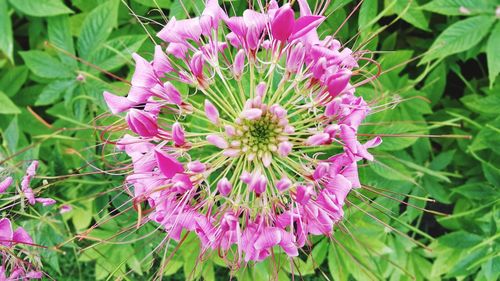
column 142, row 123
column 178, row 134
column 211, row 112
column 218, row 141
column 224, row 186
column 239, row 63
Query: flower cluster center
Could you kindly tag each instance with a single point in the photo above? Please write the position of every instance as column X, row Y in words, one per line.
column 261, row 135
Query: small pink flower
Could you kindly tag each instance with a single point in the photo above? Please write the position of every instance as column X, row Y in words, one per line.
column 239, row 63
column 65, row 208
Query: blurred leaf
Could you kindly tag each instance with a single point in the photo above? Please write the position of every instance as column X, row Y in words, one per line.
column 6, row 39
column 8, row 107
column 165, row 4
column 411, row 13
column 96, row 28
column 117, row 51
column 459, row 37
column 493, row 53
column 456, row 7
column 460, row 239
column 38, row 8
column 43, row 65
column 12, row 79
column 367, row 12
column 53, row 91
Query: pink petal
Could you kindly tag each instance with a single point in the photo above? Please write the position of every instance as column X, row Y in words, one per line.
column 340, row 186
column 117, row 104
column 169, row 166
column 144, row 75
column 172, row 93
column 348, row 136
column 284, row 148
column 283, row 23
column 305, row 24
column 338, row 82
column 283, row 184
column 21, row 236
column 268, row 238
column 196, row 167
column 161, row 64
column 5, row 232
column 318, row 139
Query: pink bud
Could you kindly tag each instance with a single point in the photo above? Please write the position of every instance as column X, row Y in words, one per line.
column 246, row 177
column 224, row 186
column 5, row 184
column 218, row 141
column 318, row 139
column 258, row 183
column 161, row 64
column 142, row 123
column 196, row 167
column 46, row 201
column 239, row 63
column 117, row 104
column 230, row 131
column 196, row 64
column 266, row 159
column 338, row 81
column 295, row 58
column 178, row 134
column 28, row 192
column 31, row 170
column 282, row 24
column 172, row 93
column 321, row 170
column 65, row 208
column 284, row 148
column 211, row 112
column 283, row 184
column 260, row 89
column 251, row 114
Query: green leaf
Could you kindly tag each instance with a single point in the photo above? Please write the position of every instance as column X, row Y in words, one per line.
column 44, row 65
column 96, row 28
column 12, row 79
column 6, row 39
column 456, row 7
column 60, row 36
column 117, row 51
column 8, row 107
column 493, row 54
column 37, row 8
column 459, row 37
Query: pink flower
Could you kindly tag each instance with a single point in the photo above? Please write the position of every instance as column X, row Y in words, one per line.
column 224, row 186
column 178, row 134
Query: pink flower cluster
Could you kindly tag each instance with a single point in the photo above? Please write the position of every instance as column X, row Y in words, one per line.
column 18, row 268
column 25, row 186
column 231, row 160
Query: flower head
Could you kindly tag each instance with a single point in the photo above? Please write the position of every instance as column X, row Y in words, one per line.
column 234, row 159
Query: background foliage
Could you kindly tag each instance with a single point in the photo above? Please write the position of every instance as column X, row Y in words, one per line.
column 440, row 61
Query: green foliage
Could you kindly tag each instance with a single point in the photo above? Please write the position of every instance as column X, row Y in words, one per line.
column 53, row 59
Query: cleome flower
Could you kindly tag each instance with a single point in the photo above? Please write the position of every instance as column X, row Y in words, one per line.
column 244, row 130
